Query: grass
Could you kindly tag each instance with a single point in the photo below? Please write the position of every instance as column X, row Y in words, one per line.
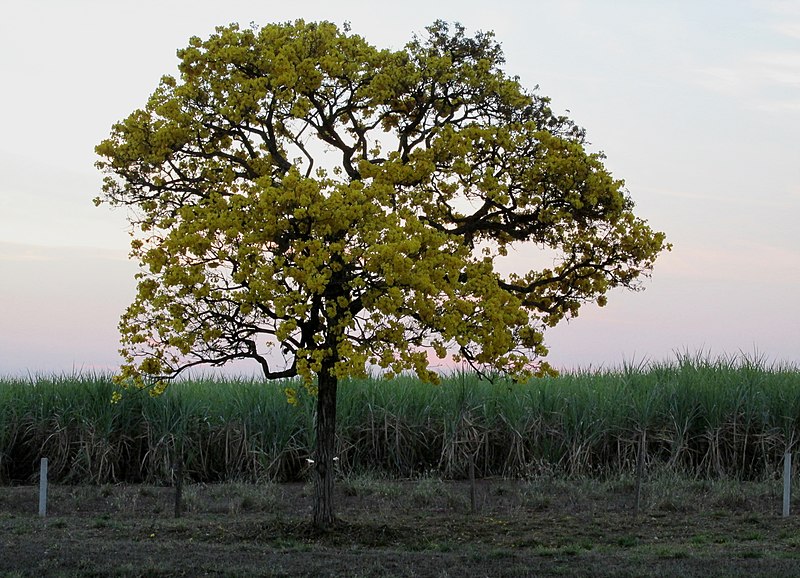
column 403, row 528
column 705, row 419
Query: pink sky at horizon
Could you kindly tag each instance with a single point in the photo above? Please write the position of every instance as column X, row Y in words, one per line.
column 696, row 106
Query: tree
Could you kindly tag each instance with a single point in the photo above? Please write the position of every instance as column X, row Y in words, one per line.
column 299, row 195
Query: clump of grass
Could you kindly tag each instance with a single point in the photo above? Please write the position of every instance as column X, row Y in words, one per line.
column 534, row 499
column 427, row 492
column 730, row 496
column 671, row 552
column 361, row 485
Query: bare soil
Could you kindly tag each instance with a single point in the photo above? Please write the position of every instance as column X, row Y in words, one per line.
column 544, row 527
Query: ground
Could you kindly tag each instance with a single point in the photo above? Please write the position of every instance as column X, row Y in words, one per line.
column 427, row 527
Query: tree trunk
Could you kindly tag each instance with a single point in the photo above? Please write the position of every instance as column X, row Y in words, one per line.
column 324, row 472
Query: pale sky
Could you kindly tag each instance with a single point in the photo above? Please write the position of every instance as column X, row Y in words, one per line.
column 695, row 103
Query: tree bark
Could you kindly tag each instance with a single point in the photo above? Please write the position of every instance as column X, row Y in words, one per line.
column 324, row 472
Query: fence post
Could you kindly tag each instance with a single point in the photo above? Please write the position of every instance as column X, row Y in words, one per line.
column 43, row 488
column 472, row 502
column 640, row 472
column 179, row 485
column 787, row 482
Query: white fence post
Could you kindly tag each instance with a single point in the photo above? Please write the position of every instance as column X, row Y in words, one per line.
column 43, row 488
column 787, row 482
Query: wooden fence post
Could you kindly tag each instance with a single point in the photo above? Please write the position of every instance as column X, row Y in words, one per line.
column 179, row 485
column 787, row 483
column 640, row 472
column 472, row 501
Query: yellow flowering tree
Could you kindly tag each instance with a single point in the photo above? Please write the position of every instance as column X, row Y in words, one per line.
column 305, row 200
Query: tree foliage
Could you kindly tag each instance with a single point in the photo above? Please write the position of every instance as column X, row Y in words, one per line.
column 298, row 187
column 305, row 200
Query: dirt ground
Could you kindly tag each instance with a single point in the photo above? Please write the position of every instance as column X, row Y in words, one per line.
column 544, row 527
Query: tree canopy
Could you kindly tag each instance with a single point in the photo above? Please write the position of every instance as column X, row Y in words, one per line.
column 305, row 200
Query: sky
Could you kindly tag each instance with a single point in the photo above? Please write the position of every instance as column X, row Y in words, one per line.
column 695, row 104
